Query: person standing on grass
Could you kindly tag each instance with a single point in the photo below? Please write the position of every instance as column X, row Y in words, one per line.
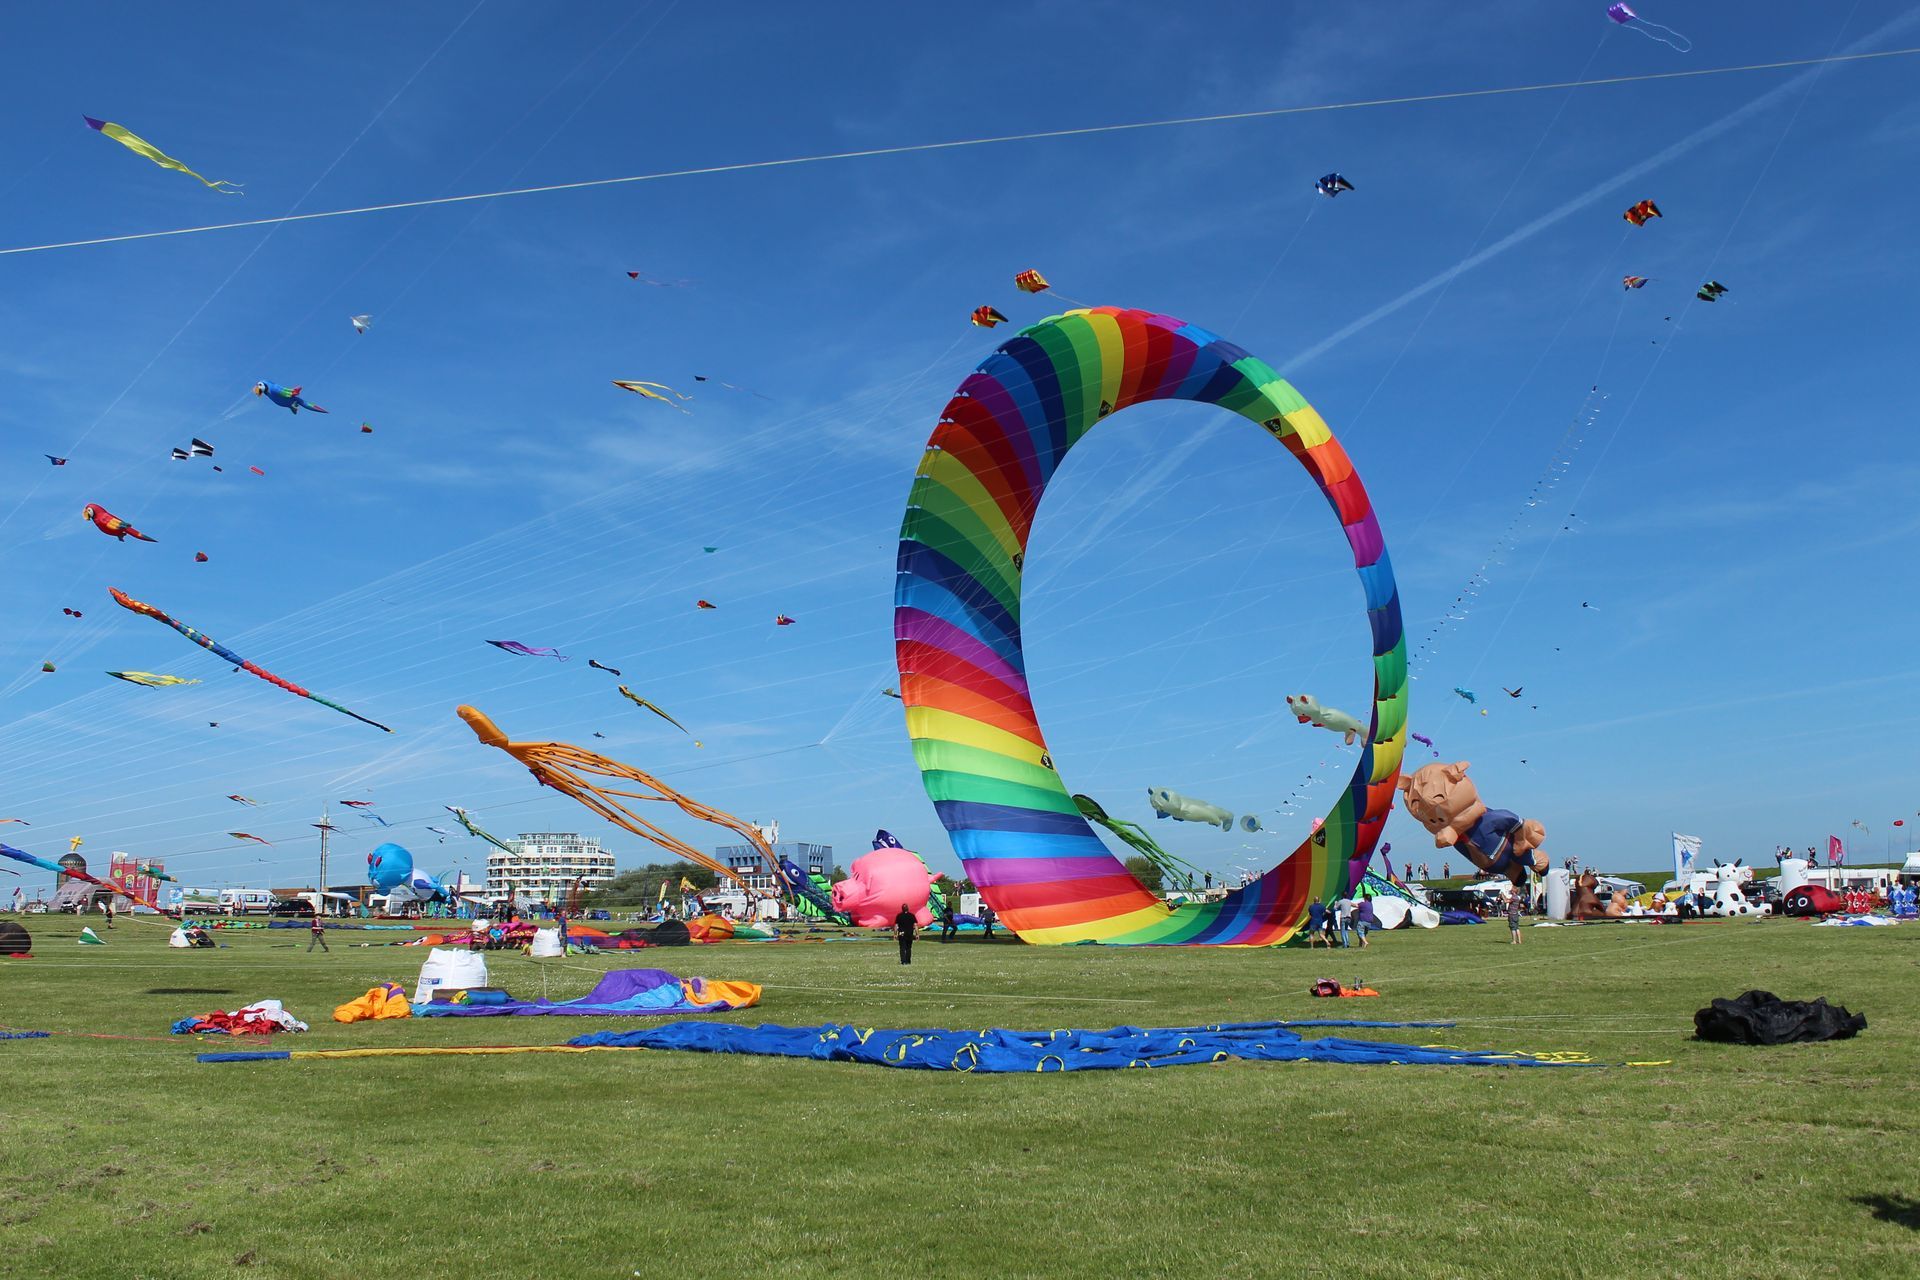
column 904, row 926
column 1364, row 919
column 948, row 929
column 318, row 930
column 1513, row 917
column 1446, row 871
column 986, row 922
column 106, row 905
column 1317, row 924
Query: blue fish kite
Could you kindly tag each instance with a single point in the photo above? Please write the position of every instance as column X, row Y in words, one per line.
column 1465, row 693
column 286, row 397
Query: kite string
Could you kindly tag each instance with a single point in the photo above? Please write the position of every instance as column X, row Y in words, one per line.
column 956, row 144
column 1654, row 365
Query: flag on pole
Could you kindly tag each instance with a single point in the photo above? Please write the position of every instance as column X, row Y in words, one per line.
column 1686, row 852
column 1836, row 852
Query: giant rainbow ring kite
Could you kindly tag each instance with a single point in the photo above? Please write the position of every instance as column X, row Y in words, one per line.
column 956, row 629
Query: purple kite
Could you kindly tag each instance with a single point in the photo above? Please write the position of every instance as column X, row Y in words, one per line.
column 527, row 650
column 1626, row 17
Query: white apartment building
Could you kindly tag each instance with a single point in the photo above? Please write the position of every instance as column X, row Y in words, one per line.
column 548, row 864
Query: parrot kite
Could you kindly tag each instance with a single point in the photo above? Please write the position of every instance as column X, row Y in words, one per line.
column 112, row 525
column 287, row 398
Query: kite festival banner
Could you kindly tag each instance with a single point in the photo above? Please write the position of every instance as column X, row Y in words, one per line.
column 1686, row 852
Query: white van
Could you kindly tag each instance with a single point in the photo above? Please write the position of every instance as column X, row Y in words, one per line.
column 246, row 902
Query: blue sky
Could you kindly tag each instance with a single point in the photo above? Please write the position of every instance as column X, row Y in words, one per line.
column 1735, row 501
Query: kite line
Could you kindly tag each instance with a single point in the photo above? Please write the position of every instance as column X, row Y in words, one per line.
column 913, row 148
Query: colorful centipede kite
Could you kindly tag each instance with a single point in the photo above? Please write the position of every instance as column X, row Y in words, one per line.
column 957, row 632
column 126, row 601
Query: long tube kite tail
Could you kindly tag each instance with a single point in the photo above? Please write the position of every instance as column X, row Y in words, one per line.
column 141, row 147
column 569, row 770
column 208, row 643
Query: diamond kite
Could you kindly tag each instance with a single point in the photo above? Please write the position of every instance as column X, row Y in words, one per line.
column 1332, row 185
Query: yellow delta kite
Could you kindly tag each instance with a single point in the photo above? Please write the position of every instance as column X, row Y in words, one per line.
column 652, row 390
column 149, row 679
column 141, row 147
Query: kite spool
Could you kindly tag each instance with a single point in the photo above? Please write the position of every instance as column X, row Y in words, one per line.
column 982, row 757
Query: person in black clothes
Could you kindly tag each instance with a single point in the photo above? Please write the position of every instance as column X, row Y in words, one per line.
column 948, row 928
column 986, row 922
column 903, row 929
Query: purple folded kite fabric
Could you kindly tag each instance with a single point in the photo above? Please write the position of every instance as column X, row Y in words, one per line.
column 527, row 650
column 623, row 991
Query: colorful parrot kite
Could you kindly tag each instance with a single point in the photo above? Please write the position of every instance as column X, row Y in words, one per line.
column 527, row 650
column 58, row 462
column 112, row 525
column 1633, row 282
column 149, row 679
column 601, row 666
column 987, row 317
column 1711, row 291
column 1332, row 185
column 652, row 391
column 1639, row 214
column 242, row 800
column 126, row 601
column 245, row 835
column 141, row 147
column 1031, row 282
column 361, row 323
column 1626, row 17
column 782, row 620
column 705, row 604
column 642, row 703
column 1465, row 693
column 287, row 398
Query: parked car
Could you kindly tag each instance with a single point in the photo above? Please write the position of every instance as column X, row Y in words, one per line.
column 1479, row 901
column 298, row 908
column 1762, row 893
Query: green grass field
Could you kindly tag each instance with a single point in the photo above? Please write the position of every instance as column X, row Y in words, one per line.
column 124, row 1157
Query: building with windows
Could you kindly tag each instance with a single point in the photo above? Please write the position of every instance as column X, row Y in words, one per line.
column 746, row 862
column 547, row 865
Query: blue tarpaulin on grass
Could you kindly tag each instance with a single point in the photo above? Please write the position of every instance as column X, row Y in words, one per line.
column 999, row 1050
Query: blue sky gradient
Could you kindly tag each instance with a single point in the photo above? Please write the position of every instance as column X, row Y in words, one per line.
column 1734, row 502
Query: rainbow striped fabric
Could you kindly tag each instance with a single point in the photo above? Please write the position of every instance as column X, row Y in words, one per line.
column 957, row 632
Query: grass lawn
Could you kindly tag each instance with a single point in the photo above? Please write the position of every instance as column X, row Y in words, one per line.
column 124, row 1157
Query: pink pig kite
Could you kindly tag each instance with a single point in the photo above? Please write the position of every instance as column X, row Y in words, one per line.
column 880, row 882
